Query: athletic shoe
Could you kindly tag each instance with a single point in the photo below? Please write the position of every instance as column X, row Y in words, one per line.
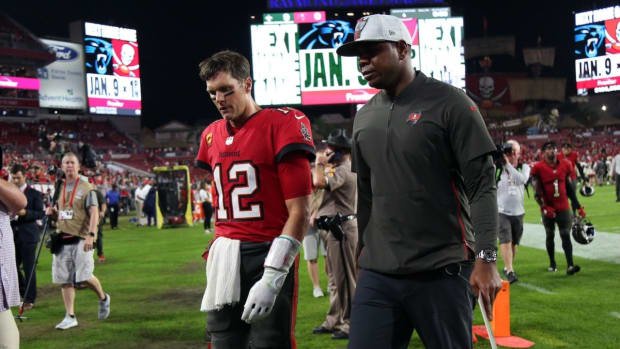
column 552, row 268
column 67, row 323
column 104, row 308
column 512, row 277
column 317, row 292
column 28, row 306
column 573, row 269
column 505, row 272
column 340, row 335
column 321, row 330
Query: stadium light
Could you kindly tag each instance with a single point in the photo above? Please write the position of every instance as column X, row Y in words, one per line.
column 604, row 107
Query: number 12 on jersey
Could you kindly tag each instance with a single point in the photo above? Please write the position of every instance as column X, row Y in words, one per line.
column 230, row 181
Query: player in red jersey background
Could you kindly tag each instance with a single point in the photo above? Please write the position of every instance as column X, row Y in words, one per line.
column 259, row 159
column 553, row 189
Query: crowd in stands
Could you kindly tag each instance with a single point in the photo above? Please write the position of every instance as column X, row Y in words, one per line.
column 591, row 144
column 124, row 162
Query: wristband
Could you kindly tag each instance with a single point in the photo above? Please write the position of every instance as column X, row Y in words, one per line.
column 282, row 253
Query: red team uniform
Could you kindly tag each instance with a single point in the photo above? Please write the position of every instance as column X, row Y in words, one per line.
column 572, row 157
column 250, row 180
column 554, row 182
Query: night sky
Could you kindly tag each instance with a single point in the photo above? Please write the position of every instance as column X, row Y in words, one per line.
column 174, row 39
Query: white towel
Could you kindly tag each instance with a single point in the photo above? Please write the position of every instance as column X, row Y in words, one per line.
column 223, row 276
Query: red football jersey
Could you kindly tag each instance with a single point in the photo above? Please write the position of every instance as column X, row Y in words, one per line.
column 572, row 157
column 554, row 182
column 248, row 202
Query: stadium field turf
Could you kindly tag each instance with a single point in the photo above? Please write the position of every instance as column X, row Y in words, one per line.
column 156, row 279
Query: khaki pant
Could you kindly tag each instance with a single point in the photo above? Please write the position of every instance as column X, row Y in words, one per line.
column 341, row 277
column 9, row 335
column 140, row 218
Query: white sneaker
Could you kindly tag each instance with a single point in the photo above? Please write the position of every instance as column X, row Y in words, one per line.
column 317, row 292
column 104, row 308
column 67, row 323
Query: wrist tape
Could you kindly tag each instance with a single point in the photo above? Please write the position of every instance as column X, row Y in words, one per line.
column 282, row 253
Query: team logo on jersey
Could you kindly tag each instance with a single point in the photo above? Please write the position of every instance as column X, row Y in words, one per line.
column 413, row 118
column 305, row 133
column 230, row 140
column 209, row 138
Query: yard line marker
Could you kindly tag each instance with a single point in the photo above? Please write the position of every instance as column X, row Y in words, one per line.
column 534, row 288
column 615, row 314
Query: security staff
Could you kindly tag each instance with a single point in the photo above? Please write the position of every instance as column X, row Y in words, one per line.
column 27, row 235
column 332, row 172
column 77, row 217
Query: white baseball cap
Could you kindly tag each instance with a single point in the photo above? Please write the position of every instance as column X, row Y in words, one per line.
column 375, row 28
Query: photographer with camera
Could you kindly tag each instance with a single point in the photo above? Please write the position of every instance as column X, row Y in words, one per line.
column 510, row 188
column 332, row 172
column 77, row 216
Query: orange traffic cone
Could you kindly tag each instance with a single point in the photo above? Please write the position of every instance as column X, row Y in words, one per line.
column 500, row 325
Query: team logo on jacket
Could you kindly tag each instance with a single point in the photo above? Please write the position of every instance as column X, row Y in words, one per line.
column 230, row 140
column 209, row 138
column 413, row 118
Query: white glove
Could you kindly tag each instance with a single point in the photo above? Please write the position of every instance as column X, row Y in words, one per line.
column 262, row 296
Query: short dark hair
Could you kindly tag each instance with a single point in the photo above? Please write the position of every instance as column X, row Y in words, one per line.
column 18, row 168
column 549, row 144
column 225, row 61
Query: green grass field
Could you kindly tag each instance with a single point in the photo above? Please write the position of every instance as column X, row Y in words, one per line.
column 601, row 208
column 156, row 279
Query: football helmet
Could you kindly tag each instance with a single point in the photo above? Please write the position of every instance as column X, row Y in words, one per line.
column 582, row 231
column 587, row 190
column 339, row 138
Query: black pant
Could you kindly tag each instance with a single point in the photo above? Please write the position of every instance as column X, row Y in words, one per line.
column 114, row 216
column 25, row 254
column 227, row 329
column 208, row 211
column 618, row 186
column 564, row 220
column 437, row 304
column 99, row 242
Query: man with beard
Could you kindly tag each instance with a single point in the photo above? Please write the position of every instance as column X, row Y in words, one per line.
column 551, row 178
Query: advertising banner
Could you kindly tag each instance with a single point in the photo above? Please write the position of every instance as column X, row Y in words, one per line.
column 62, row 82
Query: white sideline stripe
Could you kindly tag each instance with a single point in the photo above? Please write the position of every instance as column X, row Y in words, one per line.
column 534, row 288
column 615, row 314
column 603, row 248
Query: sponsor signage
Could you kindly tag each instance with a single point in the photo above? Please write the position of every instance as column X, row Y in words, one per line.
column 597, row 50
column 112, row 70
column 294, row 59
column 62, row 82
column 19, row 83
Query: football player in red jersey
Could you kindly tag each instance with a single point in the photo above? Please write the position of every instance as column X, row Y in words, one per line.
column 569, row 154
column 259, row 159
column 552, row 190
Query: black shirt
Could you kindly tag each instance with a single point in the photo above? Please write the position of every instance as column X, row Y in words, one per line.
column 410, row 155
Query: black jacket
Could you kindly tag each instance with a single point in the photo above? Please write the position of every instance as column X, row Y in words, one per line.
column 25, row 228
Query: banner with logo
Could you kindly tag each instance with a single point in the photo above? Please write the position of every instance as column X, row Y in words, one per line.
column 62, row 82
